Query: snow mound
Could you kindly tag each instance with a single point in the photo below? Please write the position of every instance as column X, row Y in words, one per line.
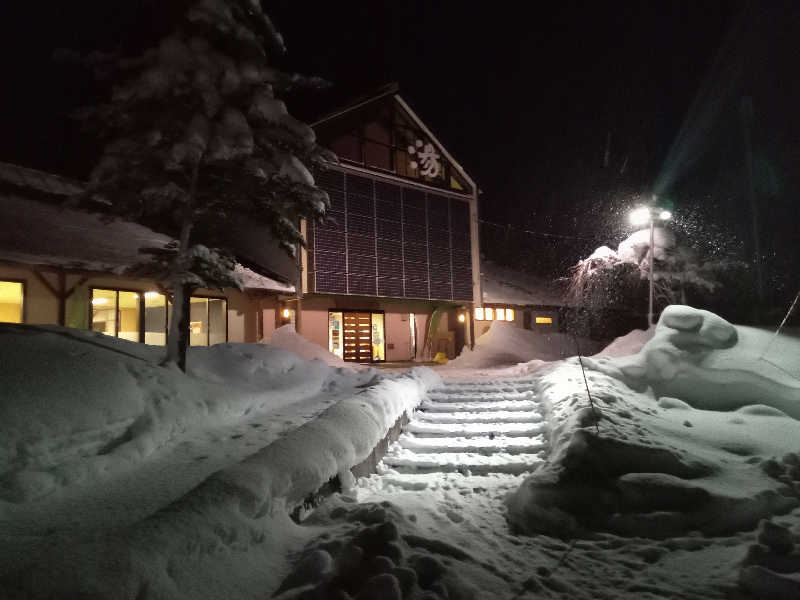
column 666, row 448
column 106, row 404
column 630, row 343
column 288, row 339
column 506, row 344
column 121, row 478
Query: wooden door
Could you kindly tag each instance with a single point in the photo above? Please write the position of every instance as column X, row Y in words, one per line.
column 357, row 336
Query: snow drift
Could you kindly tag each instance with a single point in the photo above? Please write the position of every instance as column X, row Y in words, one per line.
column 121, row 478
column 692, row 433
column 506, row 344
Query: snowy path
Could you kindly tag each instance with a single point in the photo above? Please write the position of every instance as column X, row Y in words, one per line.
column 474, row 429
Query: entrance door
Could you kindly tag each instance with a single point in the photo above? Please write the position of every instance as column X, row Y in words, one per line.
column 357, row 336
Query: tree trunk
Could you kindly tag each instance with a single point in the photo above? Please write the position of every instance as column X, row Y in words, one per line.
column 178, row 336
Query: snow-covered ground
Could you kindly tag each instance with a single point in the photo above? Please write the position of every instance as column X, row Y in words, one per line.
column 681, row 478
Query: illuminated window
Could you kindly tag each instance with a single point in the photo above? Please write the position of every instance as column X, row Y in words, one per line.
column 208, row 321
column 509, row 314
column 479, row 313
column 489, row 313
column 116, row 313
column 500, row 314
column 155, row 318
column 11, row 298
column 335, row 339
column 543, row 320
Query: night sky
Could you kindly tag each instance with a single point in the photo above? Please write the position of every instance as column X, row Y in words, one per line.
column 529, row 100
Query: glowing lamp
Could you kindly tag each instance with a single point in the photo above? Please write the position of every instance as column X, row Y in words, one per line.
column 462, row 317
column 286, row 313
column 640, row 216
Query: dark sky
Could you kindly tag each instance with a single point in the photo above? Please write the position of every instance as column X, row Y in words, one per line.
column 524, row 95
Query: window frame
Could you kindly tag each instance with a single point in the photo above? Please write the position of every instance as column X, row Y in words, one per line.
column 116, row 291
column 24, row 283
column 141, row 319
column 208, row 317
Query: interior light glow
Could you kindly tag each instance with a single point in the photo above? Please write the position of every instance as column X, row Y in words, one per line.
column 151, row 294
column 286, row 313
column 500, row 314
column 544, row 319
column 462, row 317
column 479, row 313
column 665, row 215
column 509, row 314
column 99, row 300
column 489, row 314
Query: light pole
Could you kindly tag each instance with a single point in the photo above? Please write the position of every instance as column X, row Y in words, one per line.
column 642, row 216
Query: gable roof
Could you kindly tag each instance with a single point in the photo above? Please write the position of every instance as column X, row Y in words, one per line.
column 392, row 90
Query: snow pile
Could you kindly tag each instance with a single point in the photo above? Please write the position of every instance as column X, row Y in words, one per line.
column 105, row 404
column 288, row 339
column 506, row 344
column 692, row 433
column 630, row 343
column 125, row 479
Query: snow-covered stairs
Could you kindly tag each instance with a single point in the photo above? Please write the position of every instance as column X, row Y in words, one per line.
column 475, row 428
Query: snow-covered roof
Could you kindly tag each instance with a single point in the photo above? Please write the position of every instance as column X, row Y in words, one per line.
column 48, row 183
column 35, row 232
column 503, row 285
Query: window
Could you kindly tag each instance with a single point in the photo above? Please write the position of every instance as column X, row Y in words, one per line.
column 208, row 321
column 155, row 318
column 544, row 320
column 12, row 294
column 488, row 313
column 144, row 317
column 116, row 313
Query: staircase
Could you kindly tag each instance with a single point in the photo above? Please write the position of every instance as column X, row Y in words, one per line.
column 473, row 429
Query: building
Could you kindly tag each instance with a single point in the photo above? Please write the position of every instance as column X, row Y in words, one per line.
column 392, row 275
column 527, row 301
column 65, row 267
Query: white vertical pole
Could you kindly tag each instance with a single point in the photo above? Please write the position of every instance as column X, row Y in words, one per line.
column 652, row 254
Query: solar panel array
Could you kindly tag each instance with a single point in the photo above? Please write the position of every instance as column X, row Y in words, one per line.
column 386, row 239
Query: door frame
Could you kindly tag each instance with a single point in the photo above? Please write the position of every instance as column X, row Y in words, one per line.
column 369, row 311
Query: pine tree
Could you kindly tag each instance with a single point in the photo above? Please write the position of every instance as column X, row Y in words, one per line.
column 196, row 135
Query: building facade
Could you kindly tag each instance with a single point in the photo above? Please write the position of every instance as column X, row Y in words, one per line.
column 393, row 273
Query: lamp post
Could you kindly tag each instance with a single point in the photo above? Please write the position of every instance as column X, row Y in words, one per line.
column 641, row 216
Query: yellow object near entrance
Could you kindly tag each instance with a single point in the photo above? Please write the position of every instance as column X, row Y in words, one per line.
column 440, row 358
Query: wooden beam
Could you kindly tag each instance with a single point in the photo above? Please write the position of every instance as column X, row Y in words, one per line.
column 62, row 298
column 46, row 283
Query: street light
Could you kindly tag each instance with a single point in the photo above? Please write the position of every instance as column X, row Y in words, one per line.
column 642, row 216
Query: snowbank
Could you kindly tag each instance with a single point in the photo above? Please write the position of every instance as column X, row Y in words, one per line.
column 506, row 344
column 76, row 404
column 288, row 339
column 694, row 432
column 630, row 343
column 124, row 479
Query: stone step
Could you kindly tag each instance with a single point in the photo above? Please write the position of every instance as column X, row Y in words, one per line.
column 515, row 405
column 497, row 416
column 485, row 387
column 477, row 445
column 474, row 429
column 480, row 396
column 461, row 462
